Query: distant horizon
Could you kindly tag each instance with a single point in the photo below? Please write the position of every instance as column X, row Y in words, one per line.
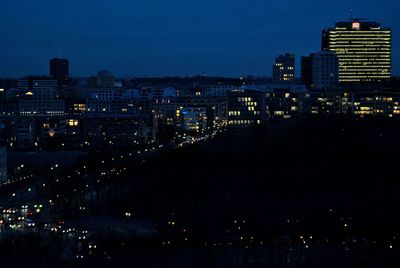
column 160, row 77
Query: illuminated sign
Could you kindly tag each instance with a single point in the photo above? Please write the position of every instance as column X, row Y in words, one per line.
column 356, row 25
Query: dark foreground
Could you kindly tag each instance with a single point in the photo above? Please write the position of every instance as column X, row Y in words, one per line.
column 306, row 193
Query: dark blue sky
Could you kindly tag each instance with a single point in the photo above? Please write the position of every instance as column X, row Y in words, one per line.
column 175, row 37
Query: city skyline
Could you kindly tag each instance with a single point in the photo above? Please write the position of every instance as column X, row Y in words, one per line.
column 172, row 39
column 199, row 133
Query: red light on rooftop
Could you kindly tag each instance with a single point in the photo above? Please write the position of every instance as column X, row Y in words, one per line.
column 356, row 25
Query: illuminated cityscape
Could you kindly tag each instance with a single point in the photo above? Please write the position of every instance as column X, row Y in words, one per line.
column 205, row 156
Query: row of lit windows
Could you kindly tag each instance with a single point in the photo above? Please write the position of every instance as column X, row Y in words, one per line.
column 356, row 41
column 379, row 56
column 372, row 71
column 247, row 99
column 360, row 33
column 80, row 107
column 234, row 113
column 365, row 65
column 279, row 113
column 243, row 122
column 365, row 58
column 358, row 38
column 359, row 73
column 366, row 61
column 250, row 104
column 360, row 43
column 72, row 122
column 355, row 53
column 364, row 68
column 359, row 51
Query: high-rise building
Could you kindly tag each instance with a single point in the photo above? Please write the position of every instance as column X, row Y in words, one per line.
column 105, row 79
column 59, row 69
column 284, row 68
column 306, row 70
column 325, row 70
column 363, row 49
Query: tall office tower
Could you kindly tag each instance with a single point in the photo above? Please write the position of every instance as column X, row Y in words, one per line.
column 363, row 49
column 325, row 70
column 105, row 79
column 59, row 69
column 306, row 70
column 283, row 70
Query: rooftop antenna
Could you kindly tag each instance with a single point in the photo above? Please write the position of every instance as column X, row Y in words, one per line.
column 351, row 14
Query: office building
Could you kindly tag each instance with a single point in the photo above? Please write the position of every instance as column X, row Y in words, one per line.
column 306, row 70
column 325, row 70
column 105, row 79
column 38, row 97
column 286, row 103
column 247, row 107
column 363, row 49
column 104, row 100
column 192, row 119
column 59, row 69
column 24, row 134
column 284, row 68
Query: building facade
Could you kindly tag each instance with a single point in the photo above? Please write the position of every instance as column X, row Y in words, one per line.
column 105, row 79
column 325, row 70
column 39, row 97
column 246, row 108
column 59, row 69
column 306, row 70
column 363, row 49
column 284, row 68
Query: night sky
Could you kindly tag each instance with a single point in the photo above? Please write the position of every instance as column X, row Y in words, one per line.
column 175, row 37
